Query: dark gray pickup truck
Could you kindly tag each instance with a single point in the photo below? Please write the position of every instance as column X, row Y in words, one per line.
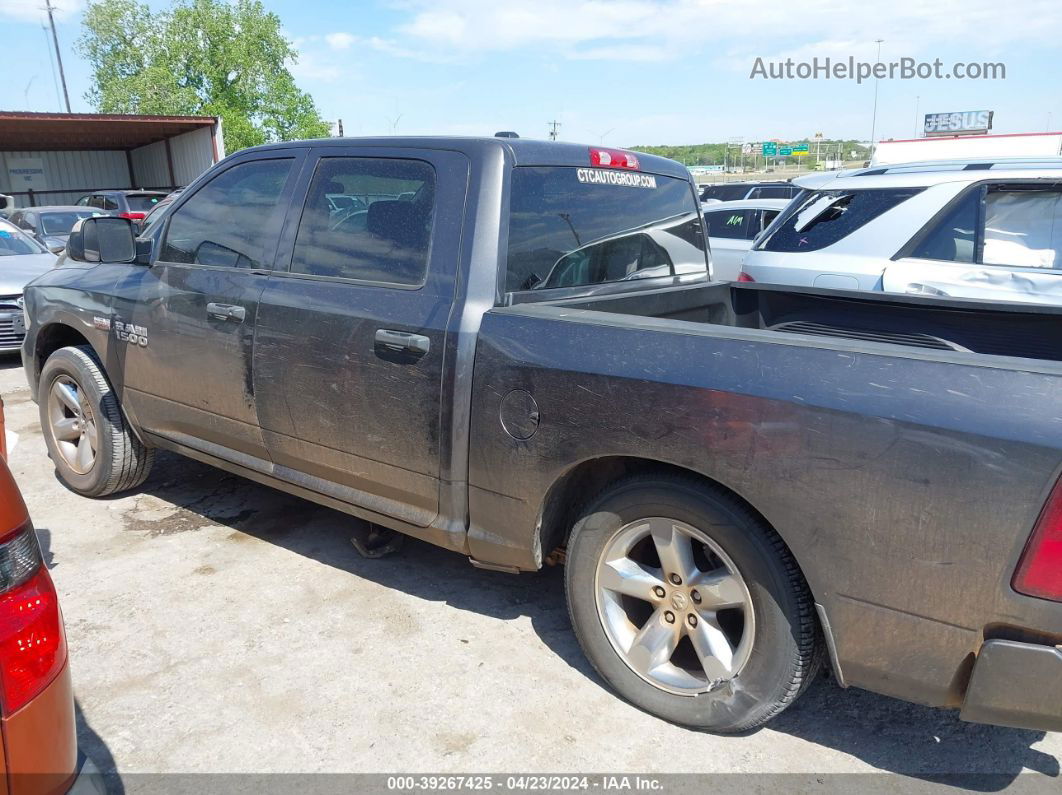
column 510, row 349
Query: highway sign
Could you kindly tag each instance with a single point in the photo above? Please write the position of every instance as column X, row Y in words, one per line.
column 800, row 149
column 770, row 149
column 785, row 151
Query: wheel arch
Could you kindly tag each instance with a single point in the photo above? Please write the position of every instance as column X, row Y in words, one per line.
column 53, row 336
column 569, row 493
column 59, row 334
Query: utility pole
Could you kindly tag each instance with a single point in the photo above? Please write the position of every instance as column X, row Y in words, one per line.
column 340, row 130
column 58, row 57
column 554, row 126
column 874, row 118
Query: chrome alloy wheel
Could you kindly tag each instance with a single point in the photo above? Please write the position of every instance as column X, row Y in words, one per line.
column 674, row 606
column 72, row 425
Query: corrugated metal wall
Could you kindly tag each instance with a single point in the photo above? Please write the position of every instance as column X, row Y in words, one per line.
column 78, row 171
column 193, row 153
column 149, row 166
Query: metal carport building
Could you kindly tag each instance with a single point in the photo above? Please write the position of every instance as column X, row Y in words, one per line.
column 55, row 158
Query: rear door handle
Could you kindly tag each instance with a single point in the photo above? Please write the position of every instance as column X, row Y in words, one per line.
column 402, row 342
column 227, row 312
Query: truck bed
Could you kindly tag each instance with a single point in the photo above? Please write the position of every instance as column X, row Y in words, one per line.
column 887, row 439
column 964, row 326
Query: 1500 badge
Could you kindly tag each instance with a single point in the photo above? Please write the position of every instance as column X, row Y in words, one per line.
column 127, row 332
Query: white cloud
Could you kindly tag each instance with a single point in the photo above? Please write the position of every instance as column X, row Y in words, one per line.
column 639, row 30
column 340, row 41
column 33, row 10
column 311, row 66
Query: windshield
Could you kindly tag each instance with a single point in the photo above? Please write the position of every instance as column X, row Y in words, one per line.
column 14, row 242
column 571, row 227
column 62, row 223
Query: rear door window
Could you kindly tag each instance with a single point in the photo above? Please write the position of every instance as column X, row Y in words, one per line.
column 768, row 216
column 1018, row 226
column 1023, row 228
column 572, row 227
column 367, row 219
column 822, row 218
column 729, row 223
column 954, row 238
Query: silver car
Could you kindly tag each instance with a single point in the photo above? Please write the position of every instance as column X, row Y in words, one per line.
column 989, row 229
column 22, row 259
column 732, row 228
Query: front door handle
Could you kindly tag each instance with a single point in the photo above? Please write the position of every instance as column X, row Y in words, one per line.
column 227, row 312
column 402, row 342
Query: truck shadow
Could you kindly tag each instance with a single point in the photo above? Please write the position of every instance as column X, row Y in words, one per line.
column 95, row 748
column 887, row 734
column 911, row 740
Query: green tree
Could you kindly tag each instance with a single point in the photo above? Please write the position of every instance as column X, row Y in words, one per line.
column 199, row 57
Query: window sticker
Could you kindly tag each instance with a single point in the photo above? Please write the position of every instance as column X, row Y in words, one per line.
column 601, row 176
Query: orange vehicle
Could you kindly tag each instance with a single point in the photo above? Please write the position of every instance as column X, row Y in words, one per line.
column 39, row 751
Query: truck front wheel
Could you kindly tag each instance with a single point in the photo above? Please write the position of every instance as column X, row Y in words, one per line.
column 689, row 605
column 94, row 451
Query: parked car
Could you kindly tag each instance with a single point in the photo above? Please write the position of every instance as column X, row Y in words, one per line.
column 39, row 752
column 50, row 226
column 160, row 206
column 740, row 479
column 7, row 205
column 663, row 249
column 737, row 191
column 732, row 226
column 989, row 229
column 131, row 204
column 22, row 259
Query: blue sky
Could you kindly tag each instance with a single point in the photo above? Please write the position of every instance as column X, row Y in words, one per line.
column 623, row 71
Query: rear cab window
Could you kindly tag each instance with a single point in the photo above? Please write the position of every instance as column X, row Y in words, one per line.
column 820, row 218
column 575, row 227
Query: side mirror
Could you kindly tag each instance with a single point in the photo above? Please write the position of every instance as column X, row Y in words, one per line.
column 102, row 239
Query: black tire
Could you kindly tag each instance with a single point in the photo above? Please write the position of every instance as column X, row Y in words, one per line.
column 786, row 651
column 122, row 462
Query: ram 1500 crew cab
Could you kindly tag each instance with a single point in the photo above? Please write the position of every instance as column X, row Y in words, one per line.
column 509, row 348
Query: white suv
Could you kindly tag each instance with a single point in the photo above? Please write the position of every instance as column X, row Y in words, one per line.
column 987, row 229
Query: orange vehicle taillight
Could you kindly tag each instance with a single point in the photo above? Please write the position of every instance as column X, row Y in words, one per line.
column 32, row 640
column 1039, row 572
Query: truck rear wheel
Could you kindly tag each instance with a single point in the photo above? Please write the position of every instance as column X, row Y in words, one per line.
column 689, row 605
column 94, row 451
